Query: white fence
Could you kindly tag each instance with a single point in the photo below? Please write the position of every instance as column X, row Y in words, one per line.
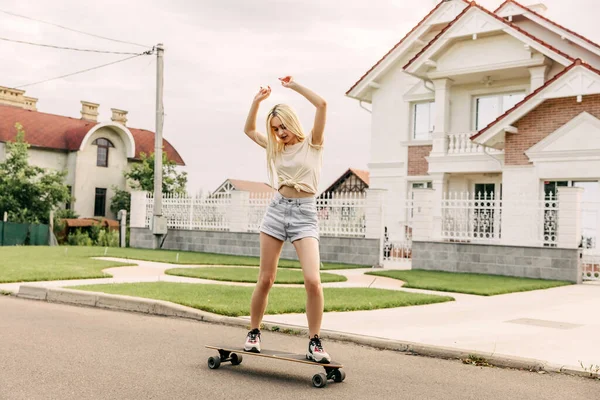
column 340, row 215
column 590, row 220
column 478, row 218
column 397, row 240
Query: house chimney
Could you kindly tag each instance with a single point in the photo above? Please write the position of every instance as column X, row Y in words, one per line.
column 119, row 116
column 539, row 8
column 30, row 103
column 11, row 97
column 89, row 111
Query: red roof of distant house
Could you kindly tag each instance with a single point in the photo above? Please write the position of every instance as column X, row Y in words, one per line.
column 249, row 186
column 399, row 43
column 362, row 175
column 65, row 133
column 548, row 20
column 515, row 27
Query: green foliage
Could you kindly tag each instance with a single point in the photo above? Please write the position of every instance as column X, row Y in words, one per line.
column 79, row 238
column 28, row 192
column 108, row 238
column 121, row 201
column 141, row 175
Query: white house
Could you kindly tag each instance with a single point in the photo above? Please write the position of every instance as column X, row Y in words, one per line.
column 94, row 154
column 503, row 103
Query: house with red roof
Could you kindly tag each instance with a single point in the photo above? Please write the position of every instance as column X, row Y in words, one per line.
column 502, row 103
column 94, row 153
column 352, row 180
column 231, row 185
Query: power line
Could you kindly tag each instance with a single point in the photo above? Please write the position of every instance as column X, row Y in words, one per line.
column 73, row 30
column 85, row 70
column 67, row 48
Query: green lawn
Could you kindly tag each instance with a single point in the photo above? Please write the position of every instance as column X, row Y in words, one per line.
column 235, row 300
column 479, row 284
column 42, row 263
column 28, row 264
column 241, row 274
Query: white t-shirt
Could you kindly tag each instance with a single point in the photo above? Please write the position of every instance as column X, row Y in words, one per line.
column 299, row 166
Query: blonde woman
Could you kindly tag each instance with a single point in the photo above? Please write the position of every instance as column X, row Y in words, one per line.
column 294, row 159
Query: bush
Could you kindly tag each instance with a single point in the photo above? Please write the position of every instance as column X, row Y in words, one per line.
column 108, row 238
column 79, row 238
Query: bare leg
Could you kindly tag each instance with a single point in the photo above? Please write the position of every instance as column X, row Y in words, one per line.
column 310, row 260
column 270, row 249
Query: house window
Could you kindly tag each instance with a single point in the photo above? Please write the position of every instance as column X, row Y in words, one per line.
column 68, row 204
column 100, row 203
column 488, row 108
column 102, row 154
column 423, row 120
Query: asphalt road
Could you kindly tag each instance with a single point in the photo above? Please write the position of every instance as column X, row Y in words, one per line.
column 51, row 351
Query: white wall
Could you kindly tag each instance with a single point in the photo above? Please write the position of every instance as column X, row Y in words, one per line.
column 89, row 176
column 49, row 159
column 2, row 151
column 485, row 51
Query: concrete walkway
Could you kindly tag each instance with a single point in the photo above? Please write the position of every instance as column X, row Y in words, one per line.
column 559, row 326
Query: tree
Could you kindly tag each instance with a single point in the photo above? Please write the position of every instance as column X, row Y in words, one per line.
column 28, row 193
column 142, row 175
column 121, row 201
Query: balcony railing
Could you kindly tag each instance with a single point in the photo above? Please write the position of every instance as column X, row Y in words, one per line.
column 460, row 143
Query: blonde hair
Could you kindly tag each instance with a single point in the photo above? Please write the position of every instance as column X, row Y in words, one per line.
column 290, row 120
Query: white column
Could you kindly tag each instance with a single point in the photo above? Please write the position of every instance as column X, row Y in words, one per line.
column 569, row 217
column 138, row 209
column 422, row 222
column 442, row 116
column 538, row 76
column 439, row 186
column 238, row 211
column 374, row 213
column 521, row 218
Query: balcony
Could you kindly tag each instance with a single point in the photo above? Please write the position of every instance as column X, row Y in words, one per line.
column 460, row 143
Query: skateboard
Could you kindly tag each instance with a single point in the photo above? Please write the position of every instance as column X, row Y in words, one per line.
column 333, row 370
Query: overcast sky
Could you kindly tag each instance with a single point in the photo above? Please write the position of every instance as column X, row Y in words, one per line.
column 218, row 53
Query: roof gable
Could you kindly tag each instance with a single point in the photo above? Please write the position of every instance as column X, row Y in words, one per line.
column 512, row 8
column 444, row 12
column 578, row 79
column 476, row 20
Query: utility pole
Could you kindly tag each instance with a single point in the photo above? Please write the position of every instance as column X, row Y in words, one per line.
column 159, row 225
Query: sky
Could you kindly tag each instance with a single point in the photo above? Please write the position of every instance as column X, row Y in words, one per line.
column 217, row 55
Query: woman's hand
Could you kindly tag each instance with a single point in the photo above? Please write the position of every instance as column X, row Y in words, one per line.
column 288, row 82
column 262, row 94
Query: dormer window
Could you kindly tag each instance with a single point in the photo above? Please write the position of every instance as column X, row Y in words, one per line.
column 102, row 155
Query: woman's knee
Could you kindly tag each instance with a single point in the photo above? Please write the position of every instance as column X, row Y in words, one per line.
column 265, row 282
column 313, row 286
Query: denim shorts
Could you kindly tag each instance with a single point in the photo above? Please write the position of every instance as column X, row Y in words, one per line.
column 293, row 219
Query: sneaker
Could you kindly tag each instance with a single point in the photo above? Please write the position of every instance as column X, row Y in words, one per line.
column 316, row 352
column 253, row 341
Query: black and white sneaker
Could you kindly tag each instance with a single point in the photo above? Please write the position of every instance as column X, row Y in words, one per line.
column 316, row 352
column 253, row 341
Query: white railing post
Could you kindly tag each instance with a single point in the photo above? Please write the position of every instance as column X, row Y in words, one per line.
column 192, row 200
column 422, row 221
column 238, row 211
column 138, row 209
column 569, row 217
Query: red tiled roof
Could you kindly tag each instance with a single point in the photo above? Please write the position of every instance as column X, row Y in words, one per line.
column 508, row 23
column 548, row 20
column 362, row 175
column 534, row 93
column 249, row 186
column 399, row 43
column 64, row 133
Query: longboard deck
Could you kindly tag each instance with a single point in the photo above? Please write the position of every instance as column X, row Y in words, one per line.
column 280, row 355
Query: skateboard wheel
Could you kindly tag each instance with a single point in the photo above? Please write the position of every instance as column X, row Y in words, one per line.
column 339, row 375
column 236, row 359
column 319, row 380
column 214, row 362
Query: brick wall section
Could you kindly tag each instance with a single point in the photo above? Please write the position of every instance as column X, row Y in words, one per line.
column 417, row 164
column 332, row 249
column 541, row 122
column 525, row 262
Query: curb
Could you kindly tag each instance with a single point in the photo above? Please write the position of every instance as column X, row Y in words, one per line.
column 168, row 309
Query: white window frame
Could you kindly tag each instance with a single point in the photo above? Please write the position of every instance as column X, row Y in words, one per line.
column 499, row 95
column 413, row 121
